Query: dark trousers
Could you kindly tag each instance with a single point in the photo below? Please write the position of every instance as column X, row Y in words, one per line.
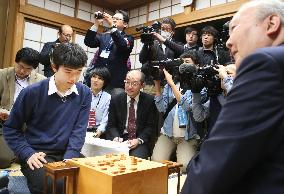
column 35, row 178
column 141, row 151
column 6, row 154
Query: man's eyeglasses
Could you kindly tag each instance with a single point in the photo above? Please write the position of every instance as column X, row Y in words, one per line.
column 67, row 35
column 135, row 83
column 116, row 18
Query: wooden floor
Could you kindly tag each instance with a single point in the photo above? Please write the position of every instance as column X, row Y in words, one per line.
column 172, row 182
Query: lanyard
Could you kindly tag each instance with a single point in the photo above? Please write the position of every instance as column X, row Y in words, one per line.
column 98, row 101
column 109, row 44
column 19, row 83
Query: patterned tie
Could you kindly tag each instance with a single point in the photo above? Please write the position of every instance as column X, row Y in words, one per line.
column 131, row 128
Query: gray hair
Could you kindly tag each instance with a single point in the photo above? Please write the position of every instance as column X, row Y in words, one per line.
column 264, row 8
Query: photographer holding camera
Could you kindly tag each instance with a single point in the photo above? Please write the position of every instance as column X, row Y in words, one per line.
column 213, row 106
column 211, row 55
column 179, row 133
column 191, row 36
column 115, row 46
column 158, row 51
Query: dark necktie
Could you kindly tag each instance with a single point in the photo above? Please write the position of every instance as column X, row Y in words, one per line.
column 131, row 127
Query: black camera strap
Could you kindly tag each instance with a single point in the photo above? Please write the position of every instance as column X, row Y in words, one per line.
column 170, row 107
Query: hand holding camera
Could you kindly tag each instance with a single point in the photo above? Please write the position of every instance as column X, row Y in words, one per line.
column 100, row 17
column 159, row 37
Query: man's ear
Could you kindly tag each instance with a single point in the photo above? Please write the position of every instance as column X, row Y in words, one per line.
column 53, row 67
column 274, row 24
column 125, row 24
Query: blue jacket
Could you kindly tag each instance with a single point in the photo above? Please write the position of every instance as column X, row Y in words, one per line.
column 163, row 101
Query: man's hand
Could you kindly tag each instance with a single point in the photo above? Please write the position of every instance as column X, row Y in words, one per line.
column 133, row 143
column 108, row 19
column 118, row 139
column 231, row 70
column 159, row 37
column 36, row 160
column 97, row 134
column 169, row 78
column 222, row 71
column 3, row 116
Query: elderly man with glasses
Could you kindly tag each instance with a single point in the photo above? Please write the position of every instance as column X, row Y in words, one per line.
column 114, row 46
column 132, row 116
column 64, row 36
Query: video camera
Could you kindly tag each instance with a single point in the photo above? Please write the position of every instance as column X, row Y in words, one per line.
column 224, row 36
column 146, row 36
column 153, row 69
column 99, row 15
column 195, row 78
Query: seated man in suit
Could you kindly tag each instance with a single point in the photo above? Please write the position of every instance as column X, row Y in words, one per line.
column 131, row 116
column 12, row 81
column 244, row 152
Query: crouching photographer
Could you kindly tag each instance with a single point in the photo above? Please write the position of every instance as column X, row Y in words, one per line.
column 211, row 109
column 179, row 133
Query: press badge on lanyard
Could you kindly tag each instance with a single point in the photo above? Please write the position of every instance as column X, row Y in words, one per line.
column 105, row 53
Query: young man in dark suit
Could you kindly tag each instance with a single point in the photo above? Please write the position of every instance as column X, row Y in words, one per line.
column 244, row 152
column 132, row 116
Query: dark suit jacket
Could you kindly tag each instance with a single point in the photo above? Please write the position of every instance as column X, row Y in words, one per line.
column 45, row 57
column 145, row 121
column 120, row 48
column 244, row 153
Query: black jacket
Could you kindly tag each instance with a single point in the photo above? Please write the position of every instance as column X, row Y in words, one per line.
column 145, row 122
column 45, row 57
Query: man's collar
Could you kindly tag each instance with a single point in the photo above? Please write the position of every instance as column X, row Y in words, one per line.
column 53, row 89
column 25, row 79
column 136, row 98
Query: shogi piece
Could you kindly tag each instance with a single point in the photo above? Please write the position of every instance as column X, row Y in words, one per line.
column 111, row 175
column 173, row 167
column 57, row 170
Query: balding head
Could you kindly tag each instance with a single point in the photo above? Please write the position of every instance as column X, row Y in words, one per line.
column 65, row 33
column 257, row 24
column 134, row 82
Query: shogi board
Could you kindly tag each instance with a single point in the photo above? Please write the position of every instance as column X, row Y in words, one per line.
column 120, row 174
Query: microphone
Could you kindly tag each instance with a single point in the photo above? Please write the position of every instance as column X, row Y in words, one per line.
column 187, row 69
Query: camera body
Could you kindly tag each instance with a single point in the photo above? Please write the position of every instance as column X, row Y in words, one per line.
column 99, row 15
column 153, row 69
column 201, row 77
column 146, row 36
column 223, row 37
